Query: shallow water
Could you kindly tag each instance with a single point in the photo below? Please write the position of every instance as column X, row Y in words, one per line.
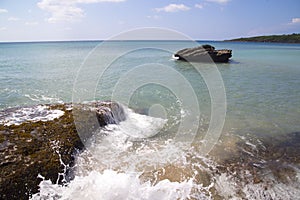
column 151, row 156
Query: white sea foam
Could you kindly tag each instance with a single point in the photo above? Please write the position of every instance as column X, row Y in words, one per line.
column 117, row 150
column 32, row 114
column 141, row 126
column 111, row 185
column 275, row 191
column 43, row 98
column 110, row 170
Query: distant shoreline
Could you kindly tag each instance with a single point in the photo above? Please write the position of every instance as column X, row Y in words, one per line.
column 290, row 38
column 286, row 38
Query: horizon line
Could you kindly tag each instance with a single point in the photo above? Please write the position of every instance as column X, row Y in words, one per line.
column 101, row 40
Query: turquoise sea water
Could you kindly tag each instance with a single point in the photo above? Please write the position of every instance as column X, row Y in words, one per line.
column 261, row 81
column 258, row 90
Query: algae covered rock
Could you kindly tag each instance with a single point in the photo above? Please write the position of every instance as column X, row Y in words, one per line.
column 38, row 147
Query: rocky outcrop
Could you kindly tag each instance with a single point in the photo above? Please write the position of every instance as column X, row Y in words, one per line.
column 47, row 148
column 204, row 53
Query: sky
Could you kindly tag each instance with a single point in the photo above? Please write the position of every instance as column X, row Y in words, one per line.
column 52, row 20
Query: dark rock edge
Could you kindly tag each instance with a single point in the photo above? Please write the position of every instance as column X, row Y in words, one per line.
column 204, row 53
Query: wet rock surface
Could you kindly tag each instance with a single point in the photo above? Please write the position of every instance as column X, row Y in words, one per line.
column 204, row 53
column 48, row 148
column 261, row 162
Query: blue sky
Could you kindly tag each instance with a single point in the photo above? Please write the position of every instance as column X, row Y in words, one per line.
column 36, row 20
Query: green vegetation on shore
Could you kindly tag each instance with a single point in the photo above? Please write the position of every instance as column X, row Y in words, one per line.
column 291, row 38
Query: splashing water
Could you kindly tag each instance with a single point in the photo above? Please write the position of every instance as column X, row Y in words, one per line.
column 132, row 161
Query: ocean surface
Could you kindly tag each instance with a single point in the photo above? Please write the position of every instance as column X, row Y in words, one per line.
column 173, row 108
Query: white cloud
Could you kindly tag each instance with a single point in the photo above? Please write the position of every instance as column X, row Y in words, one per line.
column 96, row 1
column 3, row 10
column 31, row 23
column 61, row 11
column 200, row 6
column 219, row 1
column 153, row 17
column 13, row 19
column 295, row 21
column 173, row 8
column 66, row 10
column 3, row 28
